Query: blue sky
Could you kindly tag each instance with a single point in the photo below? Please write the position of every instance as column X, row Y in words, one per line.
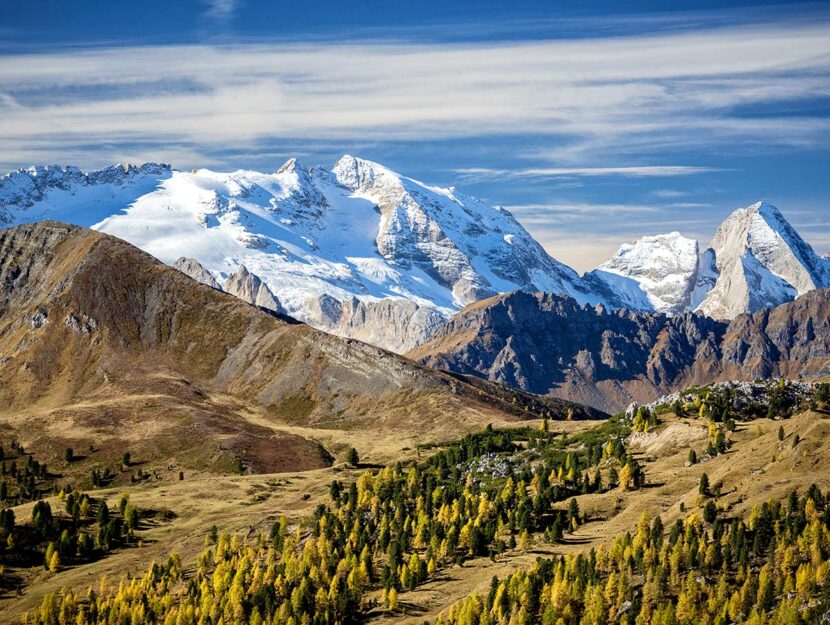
column 595, row 122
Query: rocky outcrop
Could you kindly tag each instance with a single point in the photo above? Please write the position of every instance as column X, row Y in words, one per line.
column 397, row 324
column 549, row 344
column 191, row 267
column 249, row 288
column 654, row 273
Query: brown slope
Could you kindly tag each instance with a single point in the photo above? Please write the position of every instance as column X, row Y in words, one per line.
column 549, row 344
column 101, row 344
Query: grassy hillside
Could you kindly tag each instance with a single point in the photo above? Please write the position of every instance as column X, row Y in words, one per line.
column 756, row 467
column 106, row 351
column 147, row 419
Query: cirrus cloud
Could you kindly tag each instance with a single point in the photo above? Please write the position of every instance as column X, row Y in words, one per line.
column 590, row 97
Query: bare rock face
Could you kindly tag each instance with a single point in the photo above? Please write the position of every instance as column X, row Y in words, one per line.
column 191, row 267
column 249, row 288
column 755, row 260
column 394, row 324
column 550, row 345
column 450, row 236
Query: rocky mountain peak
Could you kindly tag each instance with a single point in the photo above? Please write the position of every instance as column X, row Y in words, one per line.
column 362, row 231
column 653, row 273
column 357, row 173
column 250, row 288
column 756, row 259
column 292, row 165
column 191, row 267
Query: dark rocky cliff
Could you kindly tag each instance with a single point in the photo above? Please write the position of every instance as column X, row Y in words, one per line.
column 549, row 344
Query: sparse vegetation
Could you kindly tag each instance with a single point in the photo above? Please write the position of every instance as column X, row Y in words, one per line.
column 22, row 477
column 644, row 420
column 383, row 531
column 500, row 493
column 703, row 487
column 487, row 493
column 726, row 401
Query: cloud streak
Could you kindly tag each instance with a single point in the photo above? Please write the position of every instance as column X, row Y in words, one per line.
column 645, row 171
column 543, row 212
column 614, row 95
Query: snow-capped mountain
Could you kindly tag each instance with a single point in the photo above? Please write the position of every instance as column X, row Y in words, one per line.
column 362, row 251
column 654, row 273
column 70, row 195
column 358, row 249
column 756, row 259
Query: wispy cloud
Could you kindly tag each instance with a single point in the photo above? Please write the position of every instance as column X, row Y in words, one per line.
column 634, row 171
column 545, row 212
column 589, row 97
column 581, row 251
column 586, row 240
column 667, row 193
column 221, row 10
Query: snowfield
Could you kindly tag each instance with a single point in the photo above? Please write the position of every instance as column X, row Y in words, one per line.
column 656, row 272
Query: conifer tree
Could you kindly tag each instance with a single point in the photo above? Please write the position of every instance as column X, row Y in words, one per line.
column 703, row 487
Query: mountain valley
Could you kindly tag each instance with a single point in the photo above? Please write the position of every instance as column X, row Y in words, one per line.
column 181, row 415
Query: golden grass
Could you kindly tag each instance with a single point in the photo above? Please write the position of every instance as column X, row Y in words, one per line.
column 757, row 468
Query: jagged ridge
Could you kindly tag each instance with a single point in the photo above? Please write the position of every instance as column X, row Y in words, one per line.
column 549, row 344
column 362, row 251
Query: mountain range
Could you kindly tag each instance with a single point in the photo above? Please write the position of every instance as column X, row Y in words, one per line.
column 361, row 251
column 550, row 345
